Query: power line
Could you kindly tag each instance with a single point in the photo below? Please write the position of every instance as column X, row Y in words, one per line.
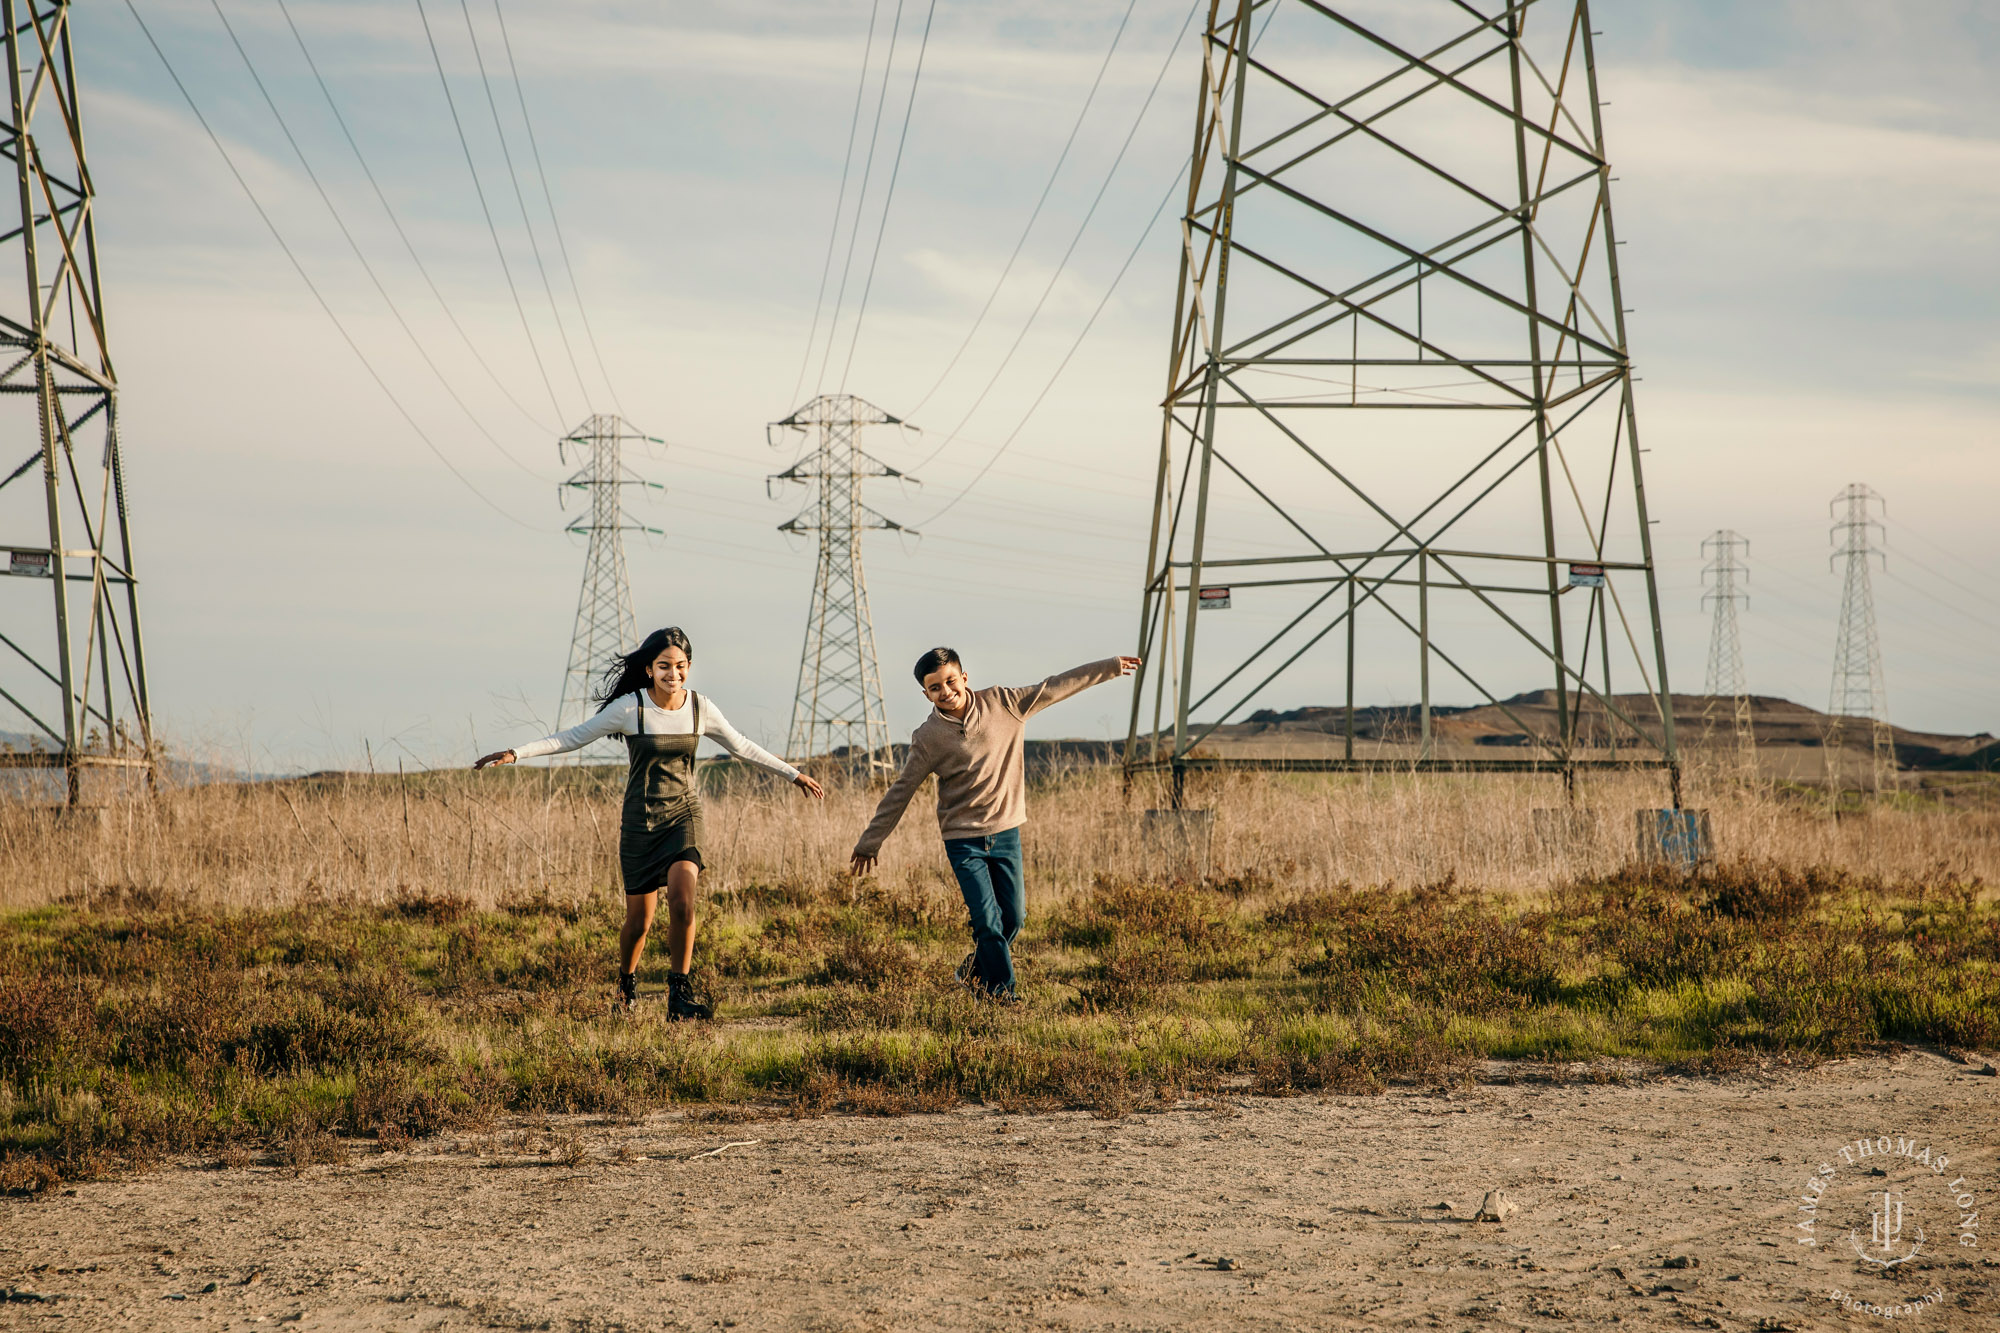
column 1945, row 551
column 1047, row 186
column 485, row 209
column 397, row 223
column 1063, row 263
column 1064, row 363
column 355, row 246
column 1151, row 222
column 1939, row 574
column 555, row 222
column 839, row 205
column 895, row 170
column 860, row 200
column 1960, row 615
column 306, row 278
column 520, row 202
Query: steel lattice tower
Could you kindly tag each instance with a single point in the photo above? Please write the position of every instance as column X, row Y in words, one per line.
column 1398, row 389
column 1726, row 552
column 77, row 678
column 605, row 624
column 839, row 699
column 1859, row 691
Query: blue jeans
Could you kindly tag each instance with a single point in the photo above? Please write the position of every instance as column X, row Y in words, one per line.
column 996, row 900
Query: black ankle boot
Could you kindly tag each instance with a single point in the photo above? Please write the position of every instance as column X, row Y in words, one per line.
column 680, row 999
column 628, row 989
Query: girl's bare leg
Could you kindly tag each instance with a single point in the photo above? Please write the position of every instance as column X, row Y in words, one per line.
column 639, row 908
column 681, row 877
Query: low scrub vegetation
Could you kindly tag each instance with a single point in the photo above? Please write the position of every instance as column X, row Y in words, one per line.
column 134, row 1026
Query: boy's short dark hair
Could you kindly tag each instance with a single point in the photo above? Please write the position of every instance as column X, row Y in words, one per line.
column 937, row 659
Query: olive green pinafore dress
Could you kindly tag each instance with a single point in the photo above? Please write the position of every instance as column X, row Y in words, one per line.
column 662, row 817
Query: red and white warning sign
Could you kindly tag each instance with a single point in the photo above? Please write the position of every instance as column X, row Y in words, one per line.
column 1586, row 576
column 33, row 564
column 1213, row 599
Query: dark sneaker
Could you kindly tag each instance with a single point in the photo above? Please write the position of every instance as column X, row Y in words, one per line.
column 628, row 989
column 681, row 1003
column 1006, row 999
column 966, row 973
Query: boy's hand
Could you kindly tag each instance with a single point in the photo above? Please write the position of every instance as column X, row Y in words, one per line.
column 862, row 864
column 497, row 757
column 809, row 787
column 1127, row 665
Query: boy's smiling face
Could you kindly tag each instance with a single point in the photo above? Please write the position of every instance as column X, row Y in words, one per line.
column 949, row 688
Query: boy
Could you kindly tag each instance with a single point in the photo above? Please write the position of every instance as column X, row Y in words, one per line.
column 972, row 741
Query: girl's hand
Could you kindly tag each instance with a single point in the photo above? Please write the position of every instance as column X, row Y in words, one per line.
column 497, row 757
column 1127, row 665
column 809, row 787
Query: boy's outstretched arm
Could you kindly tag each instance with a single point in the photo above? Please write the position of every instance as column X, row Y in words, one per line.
column 1027, row 700
column 917, row 765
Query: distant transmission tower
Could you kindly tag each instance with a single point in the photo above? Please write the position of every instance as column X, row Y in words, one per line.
column 604, row 620
column 1859, row 691
column 1727, row 552
column 77, row 678
column 1398, row 403
column 839, row 699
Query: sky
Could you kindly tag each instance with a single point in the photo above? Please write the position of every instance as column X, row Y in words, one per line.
column 1810, row 194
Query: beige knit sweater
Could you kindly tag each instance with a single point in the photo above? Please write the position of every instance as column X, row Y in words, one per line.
column 977, row 759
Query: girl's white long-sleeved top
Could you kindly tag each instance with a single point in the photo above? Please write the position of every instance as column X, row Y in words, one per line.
column 621, row 718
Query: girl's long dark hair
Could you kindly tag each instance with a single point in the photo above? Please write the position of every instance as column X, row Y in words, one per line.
column 627, row 671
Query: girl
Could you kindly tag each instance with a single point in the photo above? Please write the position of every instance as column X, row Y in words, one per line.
column 647, row 701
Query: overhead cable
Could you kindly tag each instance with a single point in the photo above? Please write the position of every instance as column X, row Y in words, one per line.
column 480, row 190
column 860, row 200
column 839, row 207
column 555, row 222
column 355, row 246
column 1960, row 612
column 1049, row 288
column 889, row 196
column 1903, row 531
column 521, row 202
column 1082, row 333
column 1047, row 186
column 397, row 223
column 306, row 278
column 1106, row 299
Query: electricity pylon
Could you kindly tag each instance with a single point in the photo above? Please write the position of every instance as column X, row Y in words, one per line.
column 1401, row 211
column 1859, row 691
column 839, row 699
column 77, row 678
column 1727, row 552
column 605, row 624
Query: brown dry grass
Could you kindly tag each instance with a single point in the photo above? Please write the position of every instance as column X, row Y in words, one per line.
column 492, row 836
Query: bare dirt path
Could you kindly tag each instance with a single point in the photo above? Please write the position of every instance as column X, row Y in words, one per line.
column 1663, row 1204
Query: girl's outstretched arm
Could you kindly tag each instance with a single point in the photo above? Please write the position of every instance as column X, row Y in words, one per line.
column 717, row 728
column 615, row 719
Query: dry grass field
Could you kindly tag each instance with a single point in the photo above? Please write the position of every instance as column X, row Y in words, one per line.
column 357, row 839
column 273, row 970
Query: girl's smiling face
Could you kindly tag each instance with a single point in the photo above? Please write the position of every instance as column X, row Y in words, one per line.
column 669, row 671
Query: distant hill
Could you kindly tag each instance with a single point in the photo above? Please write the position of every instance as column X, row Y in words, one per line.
column 1790, row 736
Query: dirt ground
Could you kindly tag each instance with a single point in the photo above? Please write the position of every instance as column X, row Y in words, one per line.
column 1655, row 1204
